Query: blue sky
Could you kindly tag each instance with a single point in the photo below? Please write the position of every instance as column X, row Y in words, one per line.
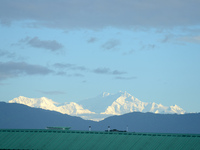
column 72, row 50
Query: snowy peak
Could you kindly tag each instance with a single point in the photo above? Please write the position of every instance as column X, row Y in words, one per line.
column 124, row 94
column 48, row 104
column 42, row 102
column 177, row 109
column 105, row 94
column 100, row 107
column 123, row 102
column 73, row 109
column 127, row 103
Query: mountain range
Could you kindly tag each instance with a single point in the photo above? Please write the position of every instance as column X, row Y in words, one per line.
column 100, row 107
column 19, row 116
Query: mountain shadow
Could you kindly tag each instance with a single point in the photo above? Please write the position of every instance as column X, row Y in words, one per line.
column 19, row 116
column 159, row 123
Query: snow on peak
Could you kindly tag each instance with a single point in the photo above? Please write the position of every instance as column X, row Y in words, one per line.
column 105, row 94
column 126, row 103
column 176, row 109
column 101, row 106
column 42, row 102
column 48, row 104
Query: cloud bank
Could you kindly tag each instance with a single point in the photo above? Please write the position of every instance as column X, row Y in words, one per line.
column 15, row 69
column 102, row 13
column 73, row 67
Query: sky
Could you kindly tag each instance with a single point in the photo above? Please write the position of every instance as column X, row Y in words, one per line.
column 73, row 50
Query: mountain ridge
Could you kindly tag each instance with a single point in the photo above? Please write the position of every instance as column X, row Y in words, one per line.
column 99, row 107
column 19, row 116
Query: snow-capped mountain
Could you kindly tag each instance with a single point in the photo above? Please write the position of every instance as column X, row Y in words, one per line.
column 123, row 102
column 18, row 116
column 127, row 103
column 45, row 103
column 101, row 106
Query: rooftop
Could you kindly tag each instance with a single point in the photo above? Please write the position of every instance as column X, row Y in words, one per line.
column 62, row 139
